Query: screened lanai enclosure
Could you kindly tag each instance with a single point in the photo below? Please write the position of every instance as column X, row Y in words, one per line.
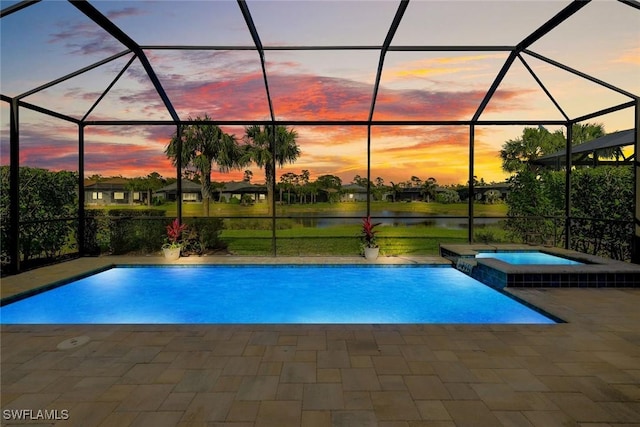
column 274, row 127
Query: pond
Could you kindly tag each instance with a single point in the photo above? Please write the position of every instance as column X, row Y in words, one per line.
column 391, row 218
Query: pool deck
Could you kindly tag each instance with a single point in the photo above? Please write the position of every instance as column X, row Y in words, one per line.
column 585, row 372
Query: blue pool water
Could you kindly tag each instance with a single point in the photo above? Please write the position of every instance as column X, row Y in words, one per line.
column 528, row 258
column 271, row 294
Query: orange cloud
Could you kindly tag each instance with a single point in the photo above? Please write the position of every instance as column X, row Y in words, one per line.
column 630, row 56
column 442, row 65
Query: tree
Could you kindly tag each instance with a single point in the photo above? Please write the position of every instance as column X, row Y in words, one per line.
column 331, row 184
column 303, row 185
column 248, row 175
column 288, row 180
column 518, row 154
column 586, row 132
column 428, row 189
column 150, row 183
column 358, row 180
column 395, row 188
column 204, row 144
column 258, row 150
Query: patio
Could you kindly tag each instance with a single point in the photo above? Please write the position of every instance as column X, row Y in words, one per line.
column 583, row 372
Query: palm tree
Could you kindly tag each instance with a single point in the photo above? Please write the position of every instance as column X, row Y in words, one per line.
column 395, row 189
column 428, row 189
column 257, row 150
column 202, row 146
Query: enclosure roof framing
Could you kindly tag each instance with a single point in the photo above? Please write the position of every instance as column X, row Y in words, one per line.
column 517, row 50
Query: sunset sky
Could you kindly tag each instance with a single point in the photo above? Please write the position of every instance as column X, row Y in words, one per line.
column 51, row 39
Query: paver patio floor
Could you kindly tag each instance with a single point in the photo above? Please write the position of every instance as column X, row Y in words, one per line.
column 585, row 372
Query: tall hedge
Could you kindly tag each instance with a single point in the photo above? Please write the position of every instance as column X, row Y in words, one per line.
column 46, row 199
column 601, row 208
column 134, row 230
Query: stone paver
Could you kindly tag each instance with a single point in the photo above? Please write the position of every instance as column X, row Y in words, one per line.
column 583, row 372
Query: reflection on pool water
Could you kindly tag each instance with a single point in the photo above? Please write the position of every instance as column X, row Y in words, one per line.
column 528, row 258
column 272, row 294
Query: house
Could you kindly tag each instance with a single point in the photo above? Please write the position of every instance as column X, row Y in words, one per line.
column 409, row 194
column 233, row 189
column 191, row 192
column 110, row 191
column 353, row 193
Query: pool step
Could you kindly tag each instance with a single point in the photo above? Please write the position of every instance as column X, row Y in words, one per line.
column 466, row 265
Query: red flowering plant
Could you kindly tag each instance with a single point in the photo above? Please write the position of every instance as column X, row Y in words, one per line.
column 368, row 234
column 174, row 235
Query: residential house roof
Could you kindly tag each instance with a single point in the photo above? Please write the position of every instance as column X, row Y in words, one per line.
column 104, row 184
column 618, row 139
column 187, row 187
column 354, row 188
column 243, row 187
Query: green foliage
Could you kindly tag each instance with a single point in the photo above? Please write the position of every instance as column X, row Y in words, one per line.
column 490, row 234
column 518, row 153
column 204, row 234
column 257, row 149
column 601, row 209
column 204, row 144
column 257, row 224
column 246, row 200
column 448, row 196
column 96, row 232
column 141, row 230
column 529, row 207
column 46, row 198
column 603, row 193
column 332, row 185
column 121, row 231
column 492, row 196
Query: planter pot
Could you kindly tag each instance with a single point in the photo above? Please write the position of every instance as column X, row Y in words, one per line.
column 171, row 254
column 371, row 253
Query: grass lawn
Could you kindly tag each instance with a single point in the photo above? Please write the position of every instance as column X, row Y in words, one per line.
column 341, row 240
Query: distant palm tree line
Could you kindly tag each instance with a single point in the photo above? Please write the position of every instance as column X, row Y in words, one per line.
column 205, row 145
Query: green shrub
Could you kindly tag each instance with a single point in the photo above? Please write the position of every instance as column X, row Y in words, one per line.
column 141, row 230
column 490, row 234
column 258, row 224
column 206, row 231
column 448, row 196
column 96, row 232
column 45, row 198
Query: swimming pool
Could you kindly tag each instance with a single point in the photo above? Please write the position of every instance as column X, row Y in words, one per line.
column 272, row 294
column 528, row 258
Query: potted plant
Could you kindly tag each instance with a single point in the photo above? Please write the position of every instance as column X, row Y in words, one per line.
column 369, row 244
column 173, row 245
